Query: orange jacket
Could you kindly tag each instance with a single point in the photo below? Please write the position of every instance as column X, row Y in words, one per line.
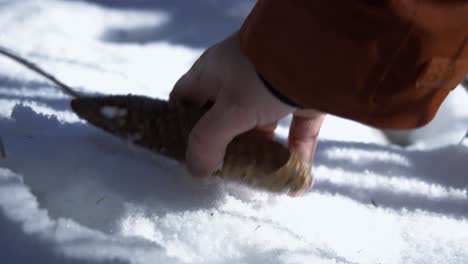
column 386, row 63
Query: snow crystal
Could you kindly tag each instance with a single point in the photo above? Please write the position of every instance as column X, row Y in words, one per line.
column 134, row 137
column 111, row 112
column 362, row 156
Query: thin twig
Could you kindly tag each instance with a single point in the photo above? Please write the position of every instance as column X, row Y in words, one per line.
column 465, row 83
column 464, row 138
column 2, row 150
column 100, row 200
column 65, row 88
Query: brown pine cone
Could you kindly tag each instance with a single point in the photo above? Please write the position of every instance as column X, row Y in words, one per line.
column 164, row 128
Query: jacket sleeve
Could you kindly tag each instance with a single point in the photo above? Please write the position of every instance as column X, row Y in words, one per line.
column 387, row 63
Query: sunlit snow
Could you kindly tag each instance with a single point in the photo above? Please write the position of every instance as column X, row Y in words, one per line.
column 70, row 193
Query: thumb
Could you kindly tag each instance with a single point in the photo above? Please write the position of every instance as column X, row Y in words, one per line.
column 211, row 135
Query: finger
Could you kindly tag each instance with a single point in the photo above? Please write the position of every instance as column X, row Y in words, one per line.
column 211, row 135
column 303, row 134
column 197, row 86
column 193, row 89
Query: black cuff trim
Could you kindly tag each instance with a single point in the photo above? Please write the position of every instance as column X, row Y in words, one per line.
column 277, row 94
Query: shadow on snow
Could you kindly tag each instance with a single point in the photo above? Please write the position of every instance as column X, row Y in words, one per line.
column 198, row 24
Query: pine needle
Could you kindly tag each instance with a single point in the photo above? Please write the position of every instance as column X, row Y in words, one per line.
column 464, row 138
column 465, row 83
column 2, row 150
column 30, row 65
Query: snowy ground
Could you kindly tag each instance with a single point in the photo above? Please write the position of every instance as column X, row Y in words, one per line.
column 70, row 193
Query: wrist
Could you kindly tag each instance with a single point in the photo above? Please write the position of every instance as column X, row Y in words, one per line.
column 284, row 99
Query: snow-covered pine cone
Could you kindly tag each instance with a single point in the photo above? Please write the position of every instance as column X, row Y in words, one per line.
column 164, row 127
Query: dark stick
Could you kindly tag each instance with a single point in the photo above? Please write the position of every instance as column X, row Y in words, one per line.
column 465, row 83
column 464, row 138
column 65, row 88
column 2, row 150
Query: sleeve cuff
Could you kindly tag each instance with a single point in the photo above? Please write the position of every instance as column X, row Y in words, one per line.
column 277, row 94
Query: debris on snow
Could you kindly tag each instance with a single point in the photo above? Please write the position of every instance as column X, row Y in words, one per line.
column 112, row 112
column 2, row 150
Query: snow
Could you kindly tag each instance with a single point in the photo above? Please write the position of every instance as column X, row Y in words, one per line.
column 70, row 193
column 111, row 112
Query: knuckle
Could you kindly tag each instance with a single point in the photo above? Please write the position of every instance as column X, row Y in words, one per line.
column 180, row 84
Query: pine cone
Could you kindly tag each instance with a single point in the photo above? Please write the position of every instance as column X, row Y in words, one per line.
column 164, row 127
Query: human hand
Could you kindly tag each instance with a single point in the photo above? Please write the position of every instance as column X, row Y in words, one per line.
column 223, row 75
